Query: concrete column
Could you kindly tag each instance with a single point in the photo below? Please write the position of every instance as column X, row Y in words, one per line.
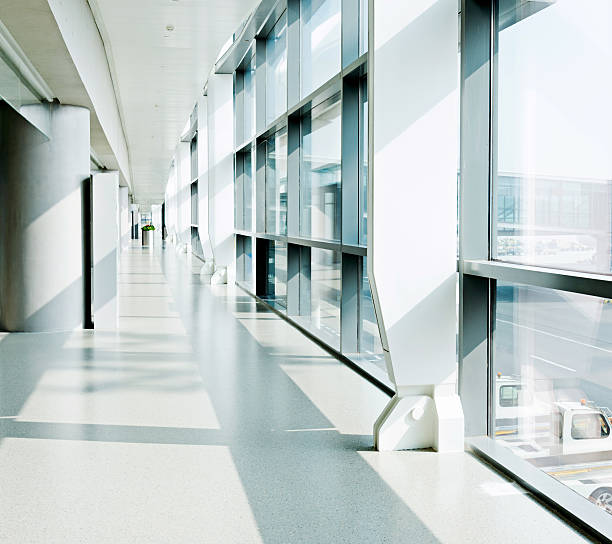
column 203, row 177
column 221, row 172
column 135, row 221
column 105, row 250
column 41, row 219
column 124, row 218
column 413, row 222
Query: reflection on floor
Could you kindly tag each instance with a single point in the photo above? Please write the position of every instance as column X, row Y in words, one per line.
column 206, row 418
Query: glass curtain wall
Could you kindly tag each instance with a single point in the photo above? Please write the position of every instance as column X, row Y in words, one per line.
column 537, row 291
column 293, row 180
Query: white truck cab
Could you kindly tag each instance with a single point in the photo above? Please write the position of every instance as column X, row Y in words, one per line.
column 582, row 427
column 515, row 400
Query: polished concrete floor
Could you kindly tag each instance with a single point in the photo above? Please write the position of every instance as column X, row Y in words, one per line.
column 207, row 419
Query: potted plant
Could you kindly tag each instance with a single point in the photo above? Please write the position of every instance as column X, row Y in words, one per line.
column 145, row 234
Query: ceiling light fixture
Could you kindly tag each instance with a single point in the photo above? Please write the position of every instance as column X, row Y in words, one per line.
column 169, row 28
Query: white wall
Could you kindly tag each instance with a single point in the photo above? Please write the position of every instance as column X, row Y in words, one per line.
column 124, row 219
column 105, row 249
column 183, row 169
column 156, row 217
column 215, row 177
column 413, row 200
column 171, row 201
column 220, row 127
column 203, row 217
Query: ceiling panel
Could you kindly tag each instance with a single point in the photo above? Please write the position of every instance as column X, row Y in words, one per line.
column 158, row 73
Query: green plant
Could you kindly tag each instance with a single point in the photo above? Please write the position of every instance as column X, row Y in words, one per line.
column 148, row 227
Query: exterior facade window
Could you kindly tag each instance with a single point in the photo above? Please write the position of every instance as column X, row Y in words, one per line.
column 554, row 173
column 276, row 183
column 248, row 191
column 325, row 295
column 363, row 162
column 249, row 100
column 363, row 26
column 370, row 346
column 243, row 191
column 290, row 187
column 320, row 42
column 276, row 70
column 535, row 293
column 320, row 172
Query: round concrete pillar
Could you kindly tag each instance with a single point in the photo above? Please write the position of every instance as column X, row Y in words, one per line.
column 41, row 218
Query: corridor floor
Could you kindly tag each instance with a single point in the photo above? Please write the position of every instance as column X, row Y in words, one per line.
column 207, row 419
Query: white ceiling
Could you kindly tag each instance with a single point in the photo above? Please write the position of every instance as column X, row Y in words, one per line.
column 158, row 74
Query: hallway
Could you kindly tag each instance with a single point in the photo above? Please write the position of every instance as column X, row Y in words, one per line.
column 207, row 418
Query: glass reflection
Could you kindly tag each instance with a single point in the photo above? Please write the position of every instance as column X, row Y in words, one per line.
column 363, row 166
column 320, row 43
column 320, row 172
column 370, row 346
column 553, row 385
column 276, row 70
column 276, row 183
column 249, row 100
column 554, row 168
column 276, row 281
column 325, row 289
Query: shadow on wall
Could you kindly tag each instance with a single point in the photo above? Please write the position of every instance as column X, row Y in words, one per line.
column 428, row 90
column 105, row 272
column 413, row 333
column 41, row 252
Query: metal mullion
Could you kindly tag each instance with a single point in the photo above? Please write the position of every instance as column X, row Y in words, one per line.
column 584, row 283
column 475, row 213
column 492, row 313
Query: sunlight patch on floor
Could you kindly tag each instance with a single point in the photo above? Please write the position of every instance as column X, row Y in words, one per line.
column 153, row 493
column 347, row 412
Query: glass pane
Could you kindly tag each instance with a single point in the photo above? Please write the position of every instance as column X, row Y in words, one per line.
column 276, row 70
column 320, row 172
column 370, row 346
column 363, row 26
column 276, row 274
column 248, row 261
column 363, row 156
column 280, row 280
column 249, row 100
column 553, row 384
column 554, row 167
column 325, row 288
column 276, row 183
column 320, row 42
column 248, row 191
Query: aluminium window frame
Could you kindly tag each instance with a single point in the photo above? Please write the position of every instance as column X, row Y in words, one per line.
column 479, row 273
column 347, row 82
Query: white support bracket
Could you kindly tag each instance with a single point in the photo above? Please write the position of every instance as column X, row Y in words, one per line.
column 422, row 421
